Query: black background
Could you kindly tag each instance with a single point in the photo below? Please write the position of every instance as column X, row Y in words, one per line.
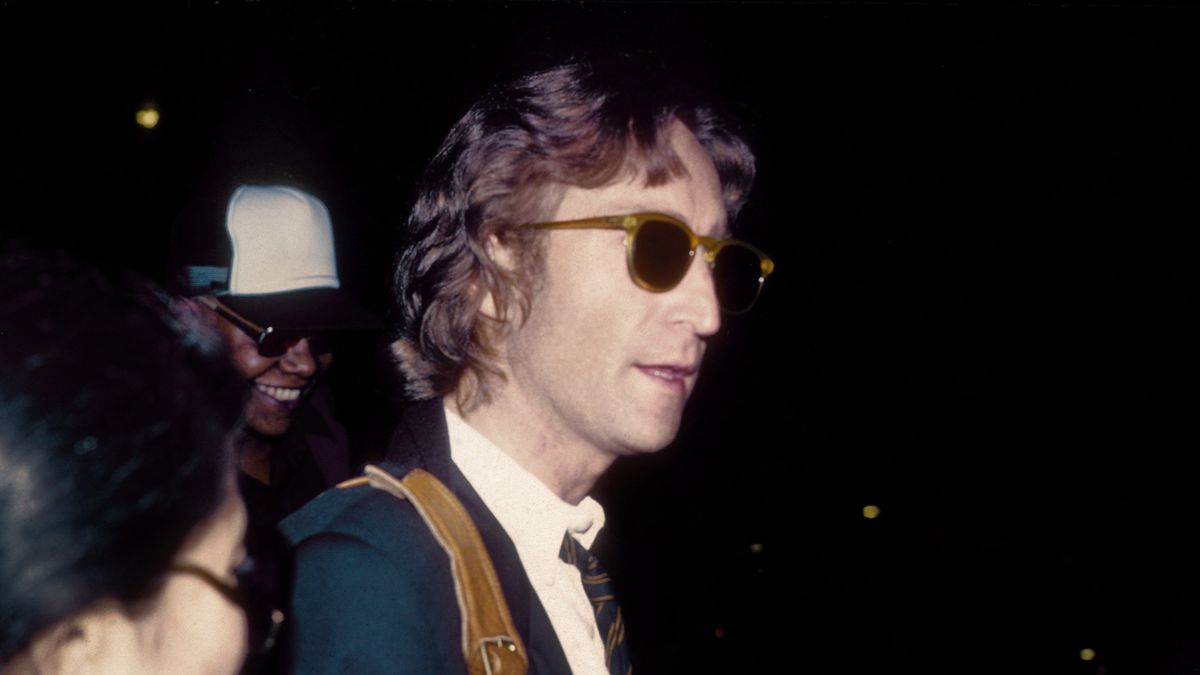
column 982, row 319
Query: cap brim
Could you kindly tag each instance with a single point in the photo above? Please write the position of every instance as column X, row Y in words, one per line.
column 310, row 310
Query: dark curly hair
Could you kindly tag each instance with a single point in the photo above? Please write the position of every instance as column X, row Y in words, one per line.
column 506, row 163
column 113, row 420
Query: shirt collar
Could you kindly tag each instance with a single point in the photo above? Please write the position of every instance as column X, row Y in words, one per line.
column 533, row 516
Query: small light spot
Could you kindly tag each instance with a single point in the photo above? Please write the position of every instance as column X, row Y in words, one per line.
column 870, row 512
column 147, row 117
column 756, row 548
column 1087, row 654
column 719, row 633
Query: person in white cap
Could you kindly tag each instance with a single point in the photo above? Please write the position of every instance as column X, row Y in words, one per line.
column 278, row 303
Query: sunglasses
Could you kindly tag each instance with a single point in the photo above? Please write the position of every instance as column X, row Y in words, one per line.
column 659, row 251
column 270, row 342
column 252, row 595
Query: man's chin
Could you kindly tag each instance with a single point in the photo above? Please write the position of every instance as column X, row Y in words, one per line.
column 655, row 425
column 652, row 438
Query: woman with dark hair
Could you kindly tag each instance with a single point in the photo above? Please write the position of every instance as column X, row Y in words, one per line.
column 120, row 527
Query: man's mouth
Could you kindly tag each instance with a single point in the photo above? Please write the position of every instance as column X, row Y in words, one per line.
column 281, row 394
column 674, row 377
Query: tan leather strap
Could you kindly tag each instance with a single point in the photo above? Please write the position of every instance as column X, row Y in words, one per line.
column 491, row 644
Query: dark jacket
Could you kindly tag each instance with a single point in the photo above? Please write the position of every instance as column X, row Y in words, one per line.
column 373, row 590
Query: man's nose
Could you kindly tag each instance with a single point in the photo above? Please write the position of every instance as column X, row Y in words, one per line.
column 299, row 359
column 698, row 297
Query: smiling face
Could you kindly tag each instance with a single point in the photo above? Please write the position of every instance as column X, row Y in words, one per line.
column 599, row 360
column 278, row 384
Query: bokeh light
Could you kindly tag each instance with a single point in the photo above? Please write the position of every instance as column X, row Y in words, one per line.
column 147, row 117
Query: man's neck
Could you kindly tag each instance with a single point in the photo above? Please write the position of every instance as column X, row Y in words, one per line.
column 567, row 465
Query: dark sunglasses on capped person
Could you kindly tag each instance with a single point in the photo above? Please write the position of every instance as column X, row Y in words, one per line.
column 659, row 251
column 270, row 341
column 256, row 592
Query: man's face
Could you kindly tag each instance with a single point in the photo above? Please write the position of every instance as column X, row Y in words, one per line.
column 599, row 359
column 278, row 384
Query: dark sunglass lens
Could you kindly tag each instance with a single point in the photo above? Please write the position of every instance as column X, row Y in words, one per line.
column 661, row 253
column 275, row 344
column 736, row 275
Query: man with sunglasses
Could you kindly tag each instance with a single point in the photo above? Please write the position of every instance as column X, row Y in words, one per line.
column 566, row 262
column 277, row 302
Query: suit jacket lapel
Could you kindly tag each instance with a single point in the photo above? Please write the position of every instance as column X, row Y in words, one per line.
column 421, row 440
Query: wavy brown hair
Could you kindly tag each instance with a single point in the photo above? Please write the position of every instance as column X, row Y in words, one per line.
column 506, row 163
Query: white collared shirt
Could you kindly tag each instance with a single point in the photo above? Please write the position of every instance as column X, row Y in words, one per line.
column 535, row 519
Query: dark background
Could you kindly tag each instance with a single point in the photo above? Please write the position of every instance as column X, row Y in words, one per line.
column 982, row 319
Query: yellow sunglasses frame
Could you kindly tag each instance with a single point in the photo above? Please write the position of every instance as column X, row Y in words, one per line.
column 631, row 223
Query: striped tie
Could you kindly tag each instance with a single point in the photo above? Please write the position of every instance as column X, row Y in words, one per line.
column 608, row 615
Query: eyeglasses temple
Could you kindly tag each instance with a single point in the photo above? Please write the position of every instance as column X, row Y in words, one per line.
column 229, row 592
column 581, row 224
column 228, row 313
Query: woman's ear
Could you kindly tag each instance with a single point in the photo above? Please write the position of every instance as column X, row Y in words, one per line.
column 189, row 311
column 193, row 317
column 86, row 643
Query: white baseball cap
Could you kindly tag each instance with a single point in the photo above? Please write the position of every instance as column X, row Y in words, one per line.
column 283, row 266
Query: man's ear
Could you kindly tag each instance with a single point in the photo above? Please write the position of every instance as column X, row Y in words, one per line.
column 501, row 254
column 506, row 260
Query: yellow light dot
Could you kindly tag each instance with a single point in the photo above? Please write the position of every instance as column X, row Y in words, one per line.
column 1087, row 654
column 870, row 512
column 147, row 117
column 756, row 548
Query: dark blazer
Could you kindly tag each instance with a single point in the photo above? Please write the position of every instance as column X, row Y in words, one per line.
column 373, row 590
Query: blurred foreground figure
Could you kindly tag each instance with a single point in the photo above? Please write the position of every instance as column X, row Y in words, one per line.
column 566, row 262
column 120, row 524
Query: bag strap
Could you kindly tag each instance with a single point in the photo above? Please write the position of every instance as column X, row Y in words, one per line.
column 491, row 644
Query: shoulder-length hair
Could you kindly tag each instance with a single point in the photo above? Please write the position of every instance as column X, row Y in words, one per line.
column 505, row 164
